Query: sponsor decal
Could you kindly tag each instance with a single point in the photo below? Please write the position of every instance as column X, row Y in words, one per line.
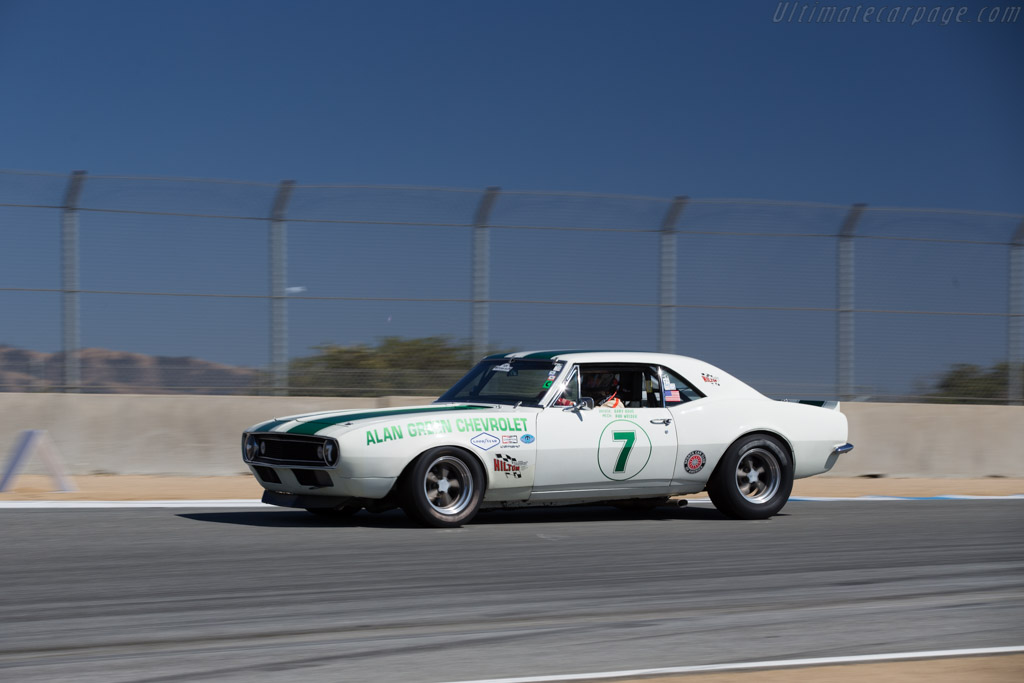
column 484, row 441
column 509, row 439
column 504, row 367
column 444, row 426
column 527, row 438
column 510, row 466
column 695, row 461
column 496, row 424
column 710, row 379
column 552, row 374
column 429, row 427
column 392, row 433
column 558, row 366
column 547, row 385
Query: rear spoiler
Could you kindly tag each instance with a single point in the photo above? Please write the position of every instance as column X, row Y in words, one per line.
column 827, row 405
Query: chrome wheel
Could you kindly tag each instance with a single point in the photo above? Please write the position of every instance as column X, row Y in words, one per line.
column 448, row 485
column 758, row 475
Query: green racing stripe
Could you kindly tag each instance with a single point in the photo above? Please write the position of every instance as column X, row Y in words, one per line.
column 269, row 426
column 314, row 426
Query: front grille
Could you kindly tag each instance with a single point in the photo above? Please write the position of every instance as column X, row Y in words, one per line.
column 291, row 449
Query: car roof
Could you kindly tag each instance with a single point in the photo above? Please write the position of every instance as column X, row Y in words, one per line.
column 711, row 380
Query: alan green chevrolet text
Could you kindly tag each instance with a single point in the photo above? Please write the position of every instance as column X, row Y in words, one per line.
column 553, row 428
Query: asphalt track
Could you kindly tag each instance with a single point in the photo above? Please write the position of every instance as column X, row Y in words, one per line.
column 153, row 595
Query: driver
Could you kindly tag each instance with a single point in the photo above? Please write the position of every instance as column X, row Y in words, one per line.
column 604, row 387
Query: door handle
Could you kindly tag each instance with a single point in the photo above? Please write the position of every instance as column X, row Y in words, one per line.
column 662, row 421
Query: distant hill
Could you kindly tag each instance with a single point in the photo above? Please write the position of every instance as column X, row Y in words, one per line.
column 120, row 372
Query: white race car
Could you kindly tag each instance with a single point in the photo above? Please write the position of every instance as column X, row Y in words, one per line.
column 553, row 428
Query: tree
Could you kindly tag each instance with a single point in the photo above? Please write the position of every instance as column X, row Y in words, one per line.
column 424, row 366
column 966, row 383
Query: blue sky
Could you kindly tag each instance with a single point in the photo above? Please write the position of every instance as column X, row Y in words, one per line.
column 706, row 99
column 709, row 99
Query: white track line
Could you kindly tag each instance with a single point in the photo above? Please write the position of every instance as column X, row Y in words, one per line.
column 770, row 664
column 122, row 504
column 241, row 503
column 822, row 499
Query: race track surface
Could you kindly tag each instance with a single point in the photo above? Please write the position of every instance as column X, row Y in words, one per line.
column 271, row 595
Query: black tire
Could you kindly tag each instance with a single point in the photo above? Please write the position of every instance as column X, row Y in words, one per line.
column 753, row 479
column 443, row 488
column 344, row 512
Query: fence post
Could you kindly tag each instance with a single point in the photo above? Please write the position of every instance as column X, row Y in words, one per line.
column 278, row 283
column 667, row 276
column 69, row 285
column 1015, row 389
column 480, row 279
column 845, row 303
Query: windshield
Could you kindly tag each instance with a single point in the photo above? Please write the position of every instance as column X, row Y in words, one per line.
column 505, row 380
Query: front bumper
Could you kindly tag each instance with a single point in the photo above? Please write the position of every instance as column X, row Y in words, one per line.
column 320, row 482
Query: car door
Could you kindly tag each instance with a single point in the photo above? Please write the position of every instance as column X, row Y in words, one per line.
column 699, row 449
column 602, row 452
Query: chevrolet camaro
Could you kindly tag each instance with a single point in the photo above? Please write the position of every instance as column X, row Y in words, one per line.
column 553, row 428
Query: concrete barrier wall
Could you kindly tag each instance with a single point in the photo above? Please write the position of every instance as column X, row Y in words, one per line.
column 200, row 435
column 924, row 440
column 150, row 434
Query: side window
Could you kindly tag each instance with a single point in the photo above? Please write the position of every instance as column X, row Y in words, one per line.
column 620, row 386
column 677, row 389
column 571, row 393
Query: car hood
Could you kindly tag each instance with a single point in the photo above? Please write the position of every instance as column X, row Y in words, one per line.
column 342, row 420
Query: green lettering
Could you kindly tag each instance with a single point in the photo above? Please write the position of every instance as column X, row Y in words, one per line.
column 503, row 424
column 370, row 438
column 629, row 438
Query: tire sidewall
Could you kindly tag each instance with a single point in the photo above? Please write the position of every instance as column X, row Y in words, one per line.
column 726, row 495
column 415, row 502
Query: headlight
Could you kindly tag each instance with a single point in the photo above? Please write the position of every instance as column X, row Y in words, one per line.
column 330, row 454
column 250, row 448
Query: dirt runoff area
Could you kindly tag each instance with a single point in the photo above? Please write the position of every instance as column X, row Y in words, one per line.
column 991, row 669
column 157, row 487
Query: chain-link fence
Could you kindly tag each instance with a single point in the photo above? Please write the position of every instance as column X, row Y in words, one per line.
column 167, row 285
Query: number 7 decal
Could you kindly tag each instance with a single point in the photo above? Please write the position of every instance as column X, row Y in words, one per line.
column 623, row 450
column 630, row 439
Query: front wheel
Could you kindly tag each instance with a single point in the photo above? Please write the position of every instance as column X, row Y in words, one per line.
column 753, row 479
column 443, row 488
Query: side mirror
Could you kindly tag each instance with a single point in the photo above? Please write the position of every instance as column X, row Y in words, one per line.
column 585, row 403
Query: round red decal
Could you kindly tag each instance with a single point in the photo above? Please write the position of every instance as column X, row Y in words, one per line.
column 695, row 462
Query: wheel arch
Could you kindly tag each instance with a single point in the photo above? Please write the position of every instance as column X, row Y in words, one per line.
column 761, row 431
column 485, row 484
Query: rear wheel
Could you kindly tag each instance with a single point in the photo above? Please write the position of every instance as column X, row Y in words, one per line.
column 753, row 479
column 443, row 488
